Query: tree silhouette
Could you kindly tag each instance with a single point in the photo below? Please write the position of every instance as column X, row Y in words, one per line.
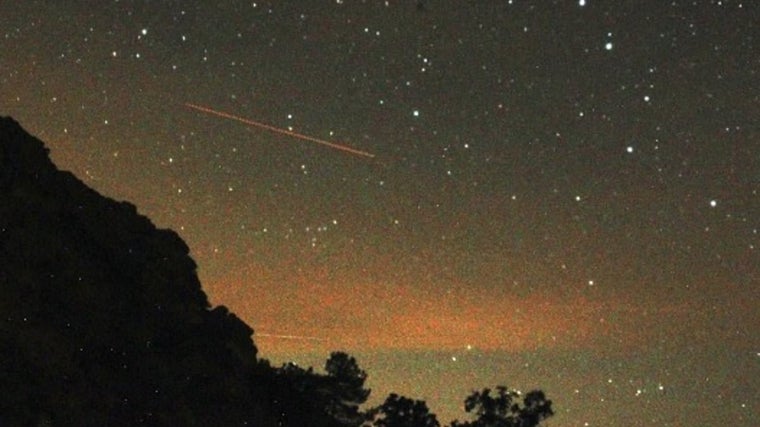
column 400, row 411
column 503, row 410
column 344, row 390
column 296, row 394
column 536, row 408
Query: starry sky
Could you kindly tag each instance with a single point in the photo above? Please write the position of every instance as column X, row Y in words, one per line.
column 560, row 195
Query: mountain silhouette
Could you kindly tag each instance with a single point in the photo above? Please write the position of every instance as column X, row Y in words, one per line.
column 104, row 321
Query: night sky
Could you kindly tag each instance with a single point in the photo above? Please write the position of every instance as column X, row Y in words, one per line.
column 563, row 195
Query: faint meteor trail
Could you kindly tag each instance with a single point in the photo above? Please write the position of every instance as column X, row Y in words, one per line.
column 270, row 128
column 288, row 337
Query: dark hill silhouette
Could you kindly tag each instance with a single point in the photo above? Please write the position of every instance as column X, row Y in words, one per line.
column 103, row 322
column 103, row 316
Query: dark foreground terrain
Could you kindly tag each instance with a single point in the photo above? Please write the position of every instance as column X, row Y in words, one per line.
column 104, row 323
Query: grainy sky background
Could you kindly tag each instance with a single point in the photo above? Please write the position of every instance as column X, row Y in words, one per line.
column 564, row 194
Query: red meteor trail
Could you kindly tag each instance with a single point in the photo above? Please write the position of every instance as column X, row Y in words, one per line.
column 278, row 130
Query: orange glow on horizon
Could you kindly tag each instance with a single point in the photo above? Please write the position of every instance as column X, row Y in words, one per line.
column 377, row 316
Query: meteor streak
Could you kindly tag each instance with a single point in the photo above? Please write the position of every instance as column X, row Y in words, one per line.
column 270, row 128
column 289, row 337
